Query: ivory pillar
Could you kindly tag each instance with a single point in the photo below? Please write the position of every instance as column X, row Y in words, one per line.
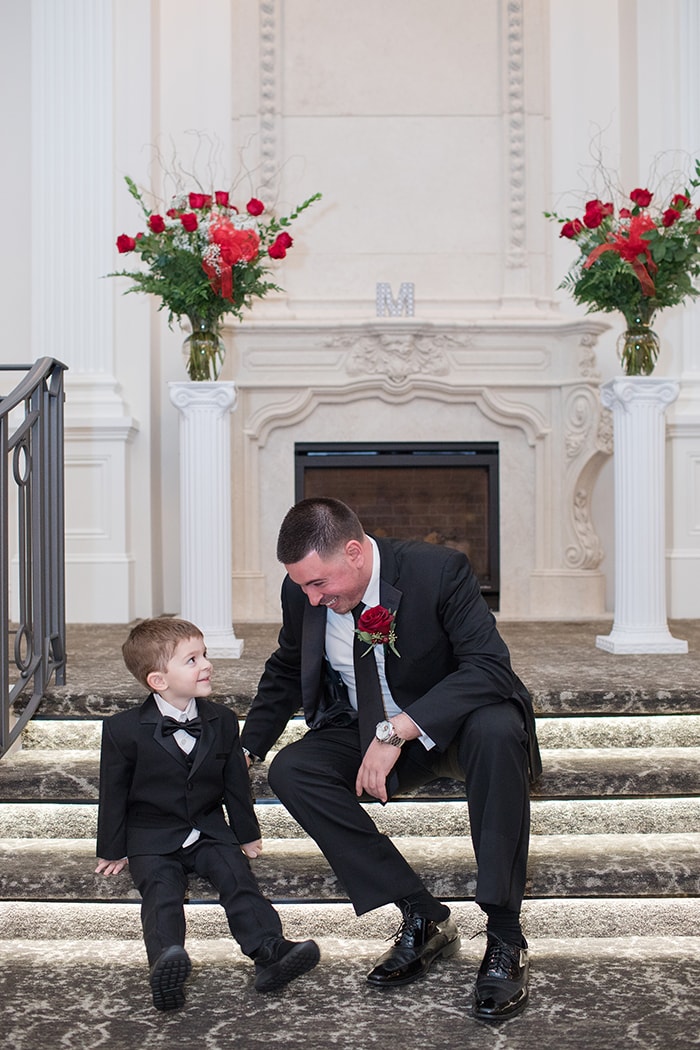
column 205, row 511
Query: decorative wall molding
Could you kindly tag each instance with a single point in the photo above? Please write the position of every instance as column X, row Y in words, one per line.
column 516, row 256
column 269, row 91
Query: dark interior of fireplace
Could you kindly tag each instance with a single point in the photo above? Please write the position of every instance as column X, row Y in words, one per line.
column 439, row 492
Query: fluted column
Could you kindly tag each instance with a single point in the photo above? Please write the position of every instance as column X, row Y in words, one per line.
column 205, row 511
column 639, row 405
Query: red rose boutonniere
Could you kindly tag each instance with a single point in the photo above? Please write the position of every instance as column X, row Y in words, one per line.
column 376, row 627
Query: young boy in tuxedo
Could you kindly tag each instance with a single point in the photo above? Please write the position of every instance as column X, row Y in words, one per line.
column 167, row 770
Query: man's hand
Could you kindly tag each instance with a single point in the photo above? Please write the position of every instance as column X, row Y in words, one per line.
column 110, row 867
column 381, row 758
column 252, row 849
column 376, row 766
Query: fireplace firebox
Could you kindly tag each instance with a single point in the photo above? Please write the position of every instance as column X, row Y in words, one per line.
column 440, row 492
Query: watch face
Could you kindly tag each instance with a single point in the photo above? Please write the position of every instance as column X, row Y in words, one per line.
column 384, row 730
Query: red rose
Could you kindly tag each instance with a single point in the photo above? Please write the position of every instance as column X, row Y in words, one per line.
column 376, row 627
column 680, row 201
column 255, row 207
column 670, row 216
column 221, row 197
column 156, row 223
column 571, row 229
column 376, row 620
column 200, row 200
column 595, row 213
column 125, row 244
column 625, row 213
column 172, row 213
column 278, row 248
column 642, row 198
column 189, row 221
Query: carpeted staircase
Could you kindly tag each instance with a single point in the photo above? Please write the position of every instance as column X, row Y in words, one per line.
column 612, row 912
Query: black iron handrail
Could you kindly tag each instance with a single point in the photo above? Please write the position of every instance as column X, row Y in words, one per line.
column 31, row 459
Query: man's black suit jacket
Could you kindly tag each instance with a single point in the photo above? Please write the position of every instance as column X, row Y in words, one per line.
column 150, row 798
column 451, row 657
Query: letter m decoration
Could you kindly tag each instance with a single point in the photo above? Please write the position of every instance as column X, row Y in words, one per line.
column 387, row 306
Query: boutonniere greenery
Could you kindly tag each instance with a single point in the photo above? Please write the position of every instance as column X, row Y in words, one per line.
column 376, row 627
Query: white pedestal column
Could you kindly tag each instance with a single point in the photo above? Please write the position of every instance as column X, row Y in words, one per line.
column 205, row 510
column 638, row 405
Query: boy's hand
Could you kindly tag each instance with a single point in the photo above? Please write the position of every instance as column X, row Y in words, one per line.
column 252, row 849
column 110, row 867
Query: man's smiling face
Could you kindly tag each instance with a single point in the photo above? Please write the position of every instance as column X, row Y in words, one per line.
column 337, row 581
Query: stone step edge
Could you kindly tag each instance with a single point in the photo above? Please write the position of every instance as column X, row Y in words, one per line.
column 91, row 756
column 651, row 842
column 573, row 919
column 575, row 731
column 95, row 701
column 72, row 776
column 294, row 870
column 78, row 820
column 351, row 959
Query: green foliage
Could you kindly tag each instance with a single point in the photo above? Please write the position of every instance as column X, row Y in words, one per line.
column 609, row 275
column 173, row 257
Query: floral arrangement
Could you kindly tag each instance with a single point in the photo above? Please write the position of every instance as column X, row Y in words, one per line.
column 375, row 626
column 636, row 259
column 204, row 257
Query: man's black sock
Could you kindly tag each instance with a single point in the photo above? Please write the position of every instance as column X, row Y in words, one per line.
column 424, row 904
column 504, row 923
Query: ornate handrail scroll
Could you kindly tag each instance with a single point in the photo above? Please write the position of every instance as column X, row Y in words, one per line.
column 31, row 460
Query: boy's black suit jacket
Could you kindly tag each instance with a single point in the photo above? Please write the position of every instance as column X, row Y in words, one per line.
column 150, row 798
column 451, row 657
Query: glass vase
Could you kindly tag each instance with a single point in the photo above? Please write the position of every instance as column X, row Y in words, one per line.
column 638, row 345
column 204, row 350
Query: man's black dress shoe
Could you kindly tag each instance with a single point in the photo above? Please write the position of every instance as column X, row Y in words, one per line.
column 168, row 975
column 278, row 961
column 501, row 986
column 419, row 942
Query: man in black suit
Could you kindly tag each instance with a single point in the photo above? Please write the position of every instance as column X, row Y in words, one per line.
column 167, row 770
column 441, row 699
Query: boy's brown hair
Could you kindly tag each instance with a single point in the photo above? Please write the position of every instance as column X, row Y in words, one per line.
column 151, row 644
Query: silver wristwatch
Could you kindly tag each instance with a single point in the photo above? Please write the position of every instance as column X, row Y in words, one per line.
column 387, row 735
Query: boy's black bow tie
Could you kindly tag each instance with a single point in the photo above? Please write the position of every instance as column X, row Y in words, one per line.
column 171, row 725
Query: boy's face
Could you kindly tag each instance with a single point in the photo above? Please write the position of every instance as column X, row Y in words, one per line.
column 187, row 674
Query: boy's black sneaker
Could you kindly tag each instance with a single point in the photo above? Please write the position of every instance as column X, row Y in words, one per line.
column 168, row 975
column 278, row 961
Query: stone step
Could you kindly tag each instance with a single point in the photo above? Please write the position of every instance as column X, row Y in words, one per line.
column 572, row 918
column 607, row 865
column 571, row 732
column 47, row 820
column 72, row 775
column 621, row 689
column 589, row 992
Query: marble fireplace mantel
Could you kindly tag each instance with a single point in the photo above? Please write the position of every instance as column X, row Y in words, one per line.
column 530, row 385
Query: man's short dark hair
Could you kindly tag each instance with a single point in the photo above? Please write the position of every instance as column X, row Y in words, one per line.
column 320, row 524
